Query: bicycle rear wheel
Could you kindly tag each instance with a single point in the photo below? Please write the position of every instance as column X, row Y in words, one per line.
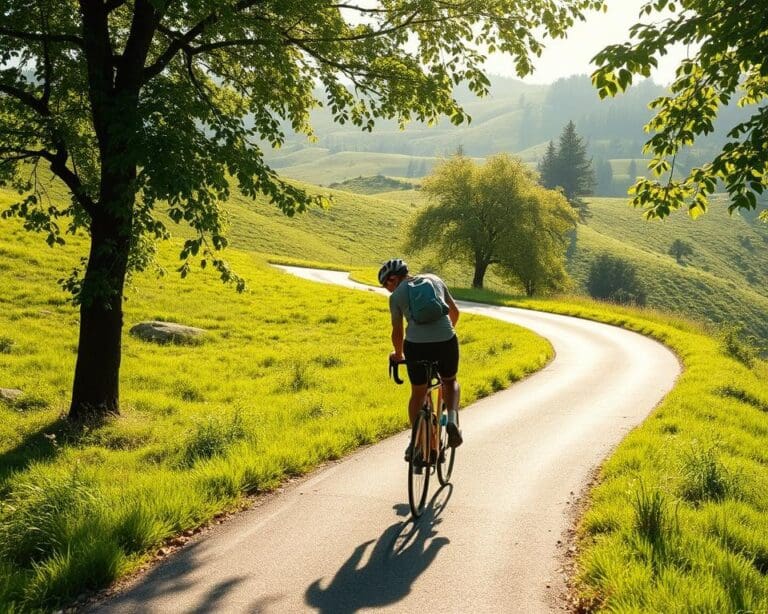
column 447, row 455
column 418, row 465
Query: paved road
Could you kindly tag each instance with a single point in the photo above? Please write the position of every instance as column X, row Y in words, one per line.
column 341, row 541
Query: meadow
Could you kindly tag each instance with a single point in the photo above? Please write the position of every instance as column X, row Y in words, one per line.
column 288, row 376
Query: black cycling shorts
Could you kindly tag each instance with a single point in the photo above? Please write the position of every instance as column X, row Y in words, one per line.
column 444, row 353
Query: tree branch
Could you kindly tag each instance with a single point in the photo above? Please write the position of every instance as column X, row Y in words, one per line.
column 38, row 37
column 26, row 99
column 180, row 41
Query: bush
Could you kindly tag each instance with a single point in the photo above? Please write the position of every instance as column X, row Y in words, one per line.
column 613, row 279
column 737, row 346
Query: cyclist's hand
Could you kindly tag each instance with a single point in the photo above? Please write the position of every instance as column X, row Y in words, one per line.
column 396, row 357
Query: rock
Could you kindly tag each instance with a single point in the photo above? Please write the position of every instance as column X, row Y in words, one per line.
column 10, row 394
column 167, row 332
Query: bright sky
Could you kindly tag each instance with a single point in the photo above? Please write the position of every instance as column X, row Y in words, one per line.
column 571, row 56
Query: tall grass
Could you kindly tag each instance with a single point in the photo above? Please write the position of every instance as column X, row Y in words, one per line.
column 677, row 520
column 289, row 375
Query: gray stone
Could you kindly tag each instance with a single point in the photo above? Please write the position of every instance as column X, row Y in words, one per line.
column 10, row 394
column 167, row 332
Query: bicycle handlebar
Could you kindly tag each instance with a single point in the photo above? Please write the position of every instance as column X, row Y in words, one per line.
column 394, row 364
column 393, row 373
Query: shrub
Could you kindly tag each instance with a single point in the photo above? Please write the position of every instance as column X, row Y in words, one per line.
column 611, row 278
column 737, row 346
column 6, row 344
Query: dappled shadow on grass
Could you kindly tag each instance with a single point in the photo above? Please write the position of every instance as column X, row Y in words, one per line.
column 402, row 553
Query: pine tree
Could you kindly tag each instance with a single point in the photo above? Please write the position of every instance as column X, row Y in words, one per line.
column 574, row 169
column 548, row 171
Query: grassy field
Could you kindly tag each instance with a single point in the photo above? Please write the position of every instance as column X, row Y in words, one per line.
column 676, row 522
column 289, row 375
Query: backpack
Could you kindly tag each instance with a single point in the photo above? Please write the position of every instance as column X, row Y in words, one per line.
column 424, row 301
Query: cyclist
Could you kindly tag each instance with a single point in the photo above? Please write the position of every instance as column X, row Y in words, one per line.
column 434, row 341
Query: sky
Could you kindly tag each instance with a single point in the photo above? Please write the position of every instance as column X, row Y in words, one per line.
column 563, row 58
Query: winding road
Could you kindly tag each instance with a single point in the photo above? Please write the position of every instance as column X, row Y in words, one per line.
column 341, row 540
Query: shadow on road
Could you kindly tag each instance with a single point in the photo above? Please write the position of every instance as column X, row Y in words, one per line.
column 170, row 578
column 402, row 553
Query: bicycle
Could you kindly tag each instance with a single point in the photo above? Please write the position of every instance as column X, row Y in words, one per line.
column 430, row 451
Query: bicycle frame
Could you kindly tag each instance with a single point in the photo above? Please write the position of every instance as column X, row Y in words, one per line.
column 433, row 398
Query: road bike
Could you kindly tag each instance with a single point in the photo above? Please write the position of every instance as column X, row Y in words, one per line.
column 430, row 452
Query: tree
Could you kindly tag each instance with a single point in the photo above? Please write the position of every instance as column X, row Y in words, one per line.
column 726, row 64
column 548, row 169
column 135, row 103
column 494, row 214
column 567, row 167
column 615, row 280
column 575, row 173
column 536, row 261
column 680, row 249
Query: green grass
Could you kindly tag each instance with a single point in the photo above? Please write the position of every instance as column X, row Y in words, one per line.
column 289, row 375
column 676, row 522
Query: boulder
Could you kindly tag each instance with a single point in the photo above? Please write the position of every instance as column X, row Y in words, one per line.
column 10, row 394
column 167, row 332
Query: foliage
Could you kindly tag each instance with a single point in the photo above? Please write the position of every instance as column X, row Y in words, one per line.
column 568, row 168
column 737, row 345
column 727, row 63
column 494, row 214
column 615, row 279
column 680, row 250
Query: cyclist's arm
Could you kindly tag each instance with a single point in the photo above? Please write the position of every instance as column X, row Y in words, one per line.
column 397, row 338
column 453, row 310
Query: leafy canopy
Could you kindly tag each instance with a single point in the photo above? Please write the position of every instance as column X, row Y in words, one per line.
column 495, row 214
column 190, row 94
column 729, row 39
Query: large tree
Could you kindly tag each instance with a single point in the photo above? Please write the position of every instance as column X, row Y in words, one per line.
column 494, row 214
column 726, row 63
column 134, row 102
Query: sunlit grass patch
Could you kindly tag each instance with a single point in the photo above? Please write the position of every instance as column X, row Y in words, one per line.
column 292, row 374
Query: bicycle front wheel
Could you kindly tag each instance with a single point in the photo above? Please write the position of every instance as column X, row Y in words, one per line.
column 418, row 465
column 447, row 456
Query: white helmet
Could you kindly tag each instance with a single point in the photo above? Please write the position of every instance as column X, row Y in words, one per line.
column 393, row 266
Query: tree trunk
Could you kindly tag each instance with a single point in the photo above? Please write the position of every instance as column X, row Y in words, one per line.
column 480, row 269
column 96, row 391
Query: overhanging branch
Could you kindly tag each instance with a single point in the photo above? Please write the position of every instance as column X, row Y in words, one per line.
column 40, row 37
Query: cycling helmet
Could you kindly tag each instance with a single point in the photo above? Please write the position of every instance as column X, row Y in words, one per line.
column 393, row 266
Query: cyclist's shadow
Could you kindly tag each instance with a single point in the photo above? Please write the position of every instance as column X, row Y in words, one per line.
column 400, row 555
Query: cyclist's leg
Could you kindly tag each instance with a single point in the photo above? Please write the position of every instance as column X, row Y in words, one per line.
column 448, row 364
column 417, row 374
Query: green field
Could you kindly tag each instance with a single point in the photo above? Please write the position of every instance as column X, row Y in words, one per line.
column 289, row 375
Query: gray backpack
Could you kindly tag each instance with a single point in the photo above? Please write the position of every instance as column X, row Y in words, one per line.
column 424, row 301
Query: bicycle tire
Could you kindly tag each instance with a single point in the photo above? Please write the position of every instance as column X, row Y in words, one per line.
column 418, row 465
column 447, row 455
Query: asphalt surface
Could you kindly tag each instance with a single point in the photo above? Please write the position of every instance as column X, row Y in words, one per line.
column 341, row 541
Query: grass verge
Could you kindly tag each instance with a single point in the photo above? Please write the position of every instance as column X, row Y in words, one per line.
column 676, row 522
column 288, row 375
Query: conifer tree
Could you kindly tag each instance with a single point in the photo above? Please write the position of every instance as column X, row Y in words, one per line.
column 574, row 169
column 548, row 172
